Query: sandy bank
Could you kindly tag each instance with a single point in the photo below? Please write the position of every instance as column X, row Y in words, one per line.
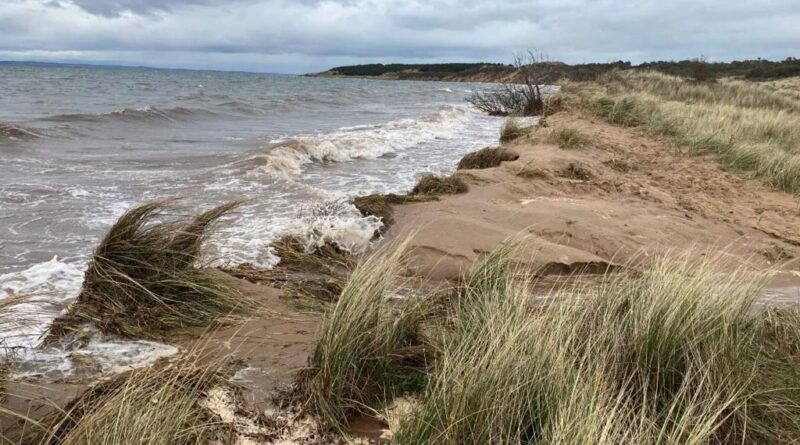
column 618, row 199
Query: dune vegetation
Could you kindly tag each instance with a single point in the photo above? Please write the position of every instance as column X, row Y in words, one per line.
column 751, row 128
column 159, row 404
column 144, row 277
column 511, row 130
column 568, row 137
column 675, row 354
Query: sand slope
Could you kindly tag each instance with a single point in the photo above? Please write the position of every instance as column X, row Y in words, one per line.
column 620, row 198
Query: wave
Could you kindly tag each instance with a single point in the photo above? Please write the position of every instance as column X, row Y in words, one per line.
column 13, row 132
column 287, row 157
column 147, row 113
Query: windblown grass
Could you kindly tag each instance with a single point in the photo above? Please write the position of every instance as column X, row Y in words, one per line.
column 511, row 130
column 155, row 405
column 486, row 158
column 144, row 277
column 750, row 127
column 366, row 346
column 673, row 355
column 569, row 137
column 439, row 185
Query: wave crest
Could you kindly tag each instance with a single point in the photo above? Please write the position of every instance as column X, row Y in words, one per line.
column 135, row 115
column 12, row 132
column 288, row 156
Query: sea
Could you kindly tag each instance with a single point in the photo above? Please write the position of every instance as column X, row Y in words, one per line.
column 80, row 144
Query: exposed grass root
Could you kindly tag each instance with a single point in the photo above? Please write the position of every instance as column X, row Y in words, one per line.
column 486, row 158
column 310, row 278
column 674, row 354
column 369, row 348
column 159, row 404
column 431, row 185
column 380, row 206
column 145, row 278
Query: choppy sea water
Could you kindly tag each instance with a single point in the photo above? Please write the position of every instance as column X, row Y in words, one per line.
column 80, row 145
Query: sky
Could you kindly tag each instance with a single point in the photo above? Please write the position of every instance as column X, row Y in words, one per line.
column 283, row 36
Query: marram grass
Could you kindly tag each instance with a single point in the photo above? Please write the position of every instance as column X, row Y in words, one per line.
column 144, row 277
column 367, row 344
column 750, row 127
column 160, row 404
column 675, row 354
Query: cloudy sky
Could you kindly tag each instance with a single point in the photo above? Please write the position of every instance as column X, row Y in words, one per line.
column 295, row 36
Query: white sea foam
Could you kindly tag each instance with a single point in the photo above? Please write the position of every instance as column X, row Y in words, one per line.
column 97, row 359
column 48, row 288
column 288, row 156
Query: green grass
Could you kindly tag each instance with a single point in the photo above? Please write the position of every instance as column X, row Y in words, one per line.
column 145, row 276
column 156, row 405
column 368, row 345
column 749, row 127
column 674, row 355
column 568, row 137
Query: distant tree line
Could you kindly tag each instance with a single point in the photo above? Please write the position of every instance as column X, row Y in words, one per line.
column 698, row 69
column 377, row 69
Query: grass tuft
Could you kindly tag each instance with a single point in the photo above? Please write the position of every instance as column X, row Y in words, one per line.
column 439, row 185
column 156, row 405
column 675, row 354
column 486, row 158
column 365, row 344
column 144, row 277
column 569, row 137
column 511, row 130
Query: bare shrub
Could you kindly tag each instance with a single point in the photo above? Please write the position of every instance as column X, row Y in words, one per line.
column 522, row 96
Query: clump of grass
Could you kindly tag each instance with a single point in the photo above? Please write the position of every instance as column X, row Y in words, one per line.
column 439, row 185
column 486, row 158
column 511, row 130
column 625, row 111
column 155, row 405
column 144, row 277
column 569, row 137
column 364, row 343
column 674, row 354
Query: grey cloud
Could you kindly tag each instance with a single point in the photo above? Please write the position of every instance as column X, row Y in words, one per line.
column 318, row 33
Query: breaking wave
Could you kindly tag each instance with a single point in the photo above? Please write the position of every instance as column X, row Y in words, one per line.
column 286, row 157
column 147, row 113
column 12, row 132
